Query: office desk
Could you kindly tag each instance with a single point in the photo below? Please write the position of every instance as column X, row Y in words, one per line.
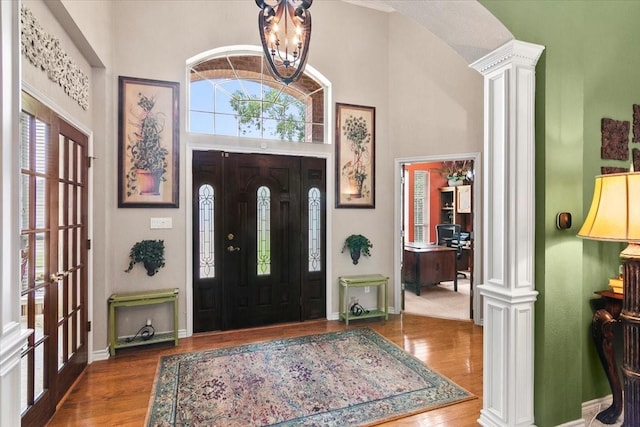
column 428, row 265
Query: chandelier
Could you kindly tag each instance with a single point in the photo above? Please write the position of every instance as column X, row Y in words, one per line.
column 285, row 31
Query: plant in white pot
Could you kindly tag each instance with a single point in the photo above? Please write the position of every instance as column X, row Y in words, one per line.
column 457, row 171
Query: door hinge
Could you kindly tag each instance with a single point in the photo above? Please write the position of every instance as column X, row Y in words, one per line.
column 89, row 161
column 89, row 326
column 88, row 244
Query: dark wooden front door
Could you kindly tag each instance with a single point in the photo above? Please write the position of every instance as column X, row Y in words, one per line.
column 258, row 239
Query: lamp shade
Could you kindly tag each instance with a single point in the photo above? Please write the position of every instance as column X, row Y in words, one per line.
column 615, row 209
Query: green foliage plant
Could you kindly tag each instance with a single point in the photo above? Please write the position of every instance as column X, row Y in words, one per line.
column 148, row 252
column 357, row 244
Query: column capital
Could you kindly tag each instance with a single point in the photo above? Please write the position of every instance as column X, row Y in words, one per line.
column 513, row 51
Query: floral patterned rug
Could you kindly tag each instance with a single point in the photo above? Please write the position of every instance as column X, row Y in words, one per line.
column 349, row 378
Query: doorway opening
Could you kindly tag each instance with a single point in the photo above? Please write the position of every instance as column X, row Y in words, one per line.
column 437, row 223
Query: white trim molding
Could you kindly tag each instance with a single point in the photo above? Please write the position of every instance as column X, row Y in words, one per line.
column 508, row 285
column 12, row 336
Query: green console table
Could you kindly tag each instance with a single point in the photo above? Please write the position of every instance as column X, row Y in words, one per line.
column 378, row 281
column 133, row 299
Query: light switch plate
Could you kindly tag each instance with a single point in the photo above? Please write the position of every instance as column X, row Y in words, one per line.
column 161, row 223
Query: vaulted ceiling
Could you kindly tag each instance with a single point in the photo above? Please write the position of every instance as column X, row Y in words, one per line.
column 465, row 25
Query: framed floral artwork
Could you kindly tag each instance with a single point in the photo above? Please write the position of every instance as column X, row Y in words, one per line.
column 355, row 156
column 148, row 147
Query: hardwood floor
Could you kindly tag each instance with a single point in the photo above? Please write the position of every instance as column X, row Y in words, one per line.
column 116, row 392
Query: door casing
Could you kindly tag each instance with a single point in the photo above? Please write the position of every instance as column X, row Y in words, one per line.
column 290, row 179
column 477, row 220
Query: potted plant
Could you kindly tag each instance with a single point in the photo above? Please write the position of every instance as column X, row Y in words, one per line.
column 356, row 132
column 357, row 244
column 457, row 171
column 148, row 252
column 148, row 157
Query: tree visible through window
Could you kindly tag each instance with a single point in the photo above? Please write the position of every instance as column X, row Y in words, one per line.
column 278, row 115
column 234, row 95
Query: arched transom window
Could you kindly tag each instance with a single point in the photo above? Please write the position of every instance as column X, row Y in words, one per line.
column 235, row 95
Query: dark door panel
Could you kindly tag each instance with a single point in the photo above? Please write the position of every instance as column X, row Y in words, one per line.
column 207, row 244
column 261, row 248
column 263, row 277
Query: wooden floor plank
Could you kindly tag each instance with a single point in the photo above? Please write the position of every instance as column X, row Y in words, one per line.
column 116, row 392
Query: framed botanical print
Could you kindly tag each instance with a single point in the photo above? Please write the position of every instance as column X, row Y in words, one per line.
column 355, row 156
column 148, row 147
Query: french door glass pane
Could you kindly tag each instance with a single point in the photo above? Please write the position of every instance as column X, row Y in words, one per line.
column 25, row 131
column 61, row 153
column 41, row 202
column 24, row 262
column 40, row 257
column 42, row 136
column 61, row 336
column 25, row 196
column 40, row 376
column 61, row 212
column 38, row 315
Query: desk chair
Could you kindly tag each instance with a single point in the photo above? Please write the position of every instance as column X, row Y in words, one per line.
column 449, row 235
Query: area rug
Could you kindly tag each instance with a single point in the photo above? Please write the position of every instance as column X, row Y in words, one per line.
column 349, row 378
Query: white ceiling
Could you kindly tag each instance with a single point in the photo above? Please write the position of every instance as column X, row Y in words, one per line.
column 465, row 25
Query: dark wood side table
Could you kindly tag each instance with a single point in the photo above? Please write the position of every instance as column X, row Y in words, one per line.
column 602, row 330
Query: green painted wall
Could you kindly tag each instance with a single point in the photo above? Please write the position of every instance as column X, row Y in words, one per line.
column 589, row 70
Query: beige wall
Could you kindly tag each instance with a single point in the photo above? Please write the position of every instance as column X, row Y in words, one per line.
column 435, row 99
column 427, row 102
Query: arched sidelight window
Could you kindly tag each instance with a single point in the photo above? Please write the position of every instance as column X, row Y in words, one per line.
column 235, row 95
column 264, row 230
column 315, row 230
column 206, row 198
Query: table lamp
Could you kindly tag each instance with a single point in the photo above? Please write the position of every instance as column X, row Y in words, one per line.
column 615, row 216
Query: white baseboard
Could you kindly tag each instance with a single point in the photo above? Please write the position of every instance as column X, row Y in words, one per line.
column 104, row 353
column 591, row 408
column 100, row 355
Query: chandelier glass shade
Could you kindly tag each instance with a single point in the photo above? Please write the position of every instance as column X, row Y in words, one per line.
column 285, row 32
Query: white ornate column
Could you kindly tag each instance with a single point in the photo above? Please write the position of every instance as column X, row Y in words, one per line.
column 12, row 337
column 508, row 287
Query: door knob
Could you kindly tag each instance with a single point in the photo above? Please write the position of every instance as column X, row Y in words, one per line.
column 233, row 248
column 58, row 276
